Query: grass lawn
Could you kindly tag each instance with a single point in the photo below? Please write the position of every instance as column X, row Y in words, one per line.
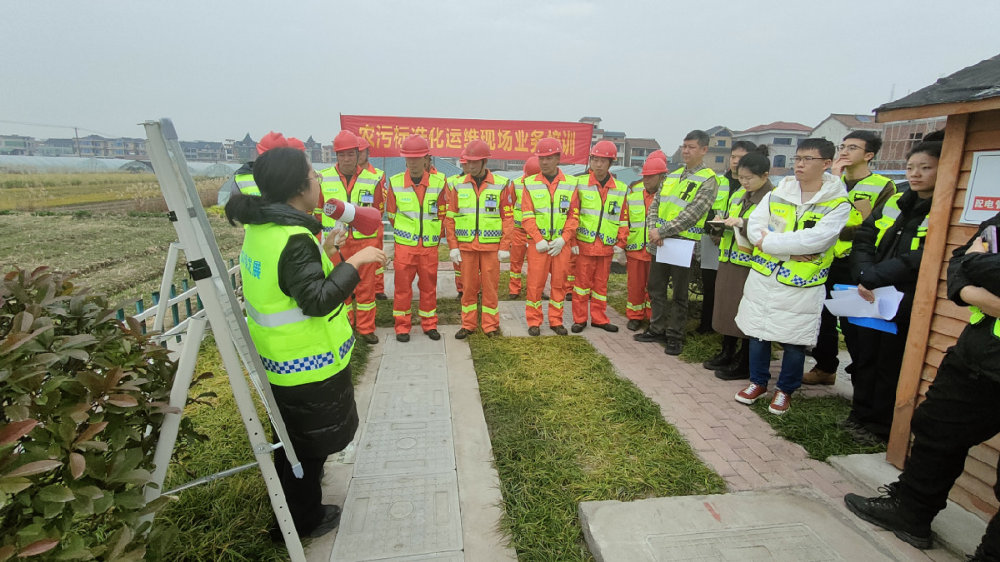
column 814, row 424
column 570, row 431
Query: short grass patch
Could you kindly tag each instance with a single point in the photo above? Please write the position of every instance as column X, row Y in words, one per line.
column 570, row 431
column 814, row 423
column 449, row 311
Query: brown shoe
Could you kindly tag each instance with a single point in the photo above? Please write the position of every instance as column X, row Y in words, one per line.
column 819, row 376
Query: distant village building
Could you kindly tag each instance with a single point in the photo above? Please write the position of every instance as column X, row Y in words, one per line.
column 781, row 139
column 835, row 127
column 899, row 137
column 636, row 151
column 16, row 145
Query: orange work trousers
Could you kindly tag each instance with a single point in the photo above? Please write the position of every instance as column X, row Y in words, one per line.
column 590, row 290
column 540, row 267
column 422, row 263
column 364, row 292
column 518, row 247
column 570, row 270
column 480, row 272
column 459, row 285
column 637, row 300
column 380, row 270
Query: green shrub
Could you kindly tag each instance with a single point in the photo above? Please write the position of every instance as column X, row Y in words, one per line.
column 82, row 395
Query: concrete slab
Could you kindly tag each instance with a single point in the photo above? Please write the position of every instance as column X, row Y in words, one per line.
column 418, row 344
column 409, row 401
column 513, row 322
column 780, row 524
column 405, row 448
column 400, row 516
column 414, row 367
column 956, row 529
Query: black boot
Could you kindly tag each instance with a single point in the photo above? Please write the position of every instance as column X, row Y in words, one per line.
column 739, row 368
column 888, row 512
column 724, row 357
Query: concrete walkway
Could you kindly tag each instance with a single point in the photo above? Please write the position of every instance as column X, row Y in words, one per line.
column 420, row 484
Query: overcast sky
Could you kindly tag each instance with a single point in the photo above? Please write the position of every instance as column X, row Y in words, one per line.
column 221, row 69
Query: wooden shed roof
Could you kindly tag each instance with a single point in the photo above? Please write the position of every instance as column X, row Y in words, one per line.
column 949, row 95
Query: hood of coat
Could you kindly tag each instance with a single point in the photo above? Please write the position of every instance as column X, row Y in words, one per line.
column 832, row 188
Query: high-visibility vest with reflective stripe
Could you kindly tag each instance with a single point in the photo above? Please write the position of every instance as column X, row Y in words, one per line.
column 246, row 185
column 551, row 210
column 362, row 195
column 637, row 235
column 978, row 316
column 599, row 219
column 675, row 195
column 791, row 272
column 295, row 348
column 891, row 212
column 867, row 189
column 479, row 215
column 721, row 204
column 729, row 249
column 518, row 195
column 417, row 224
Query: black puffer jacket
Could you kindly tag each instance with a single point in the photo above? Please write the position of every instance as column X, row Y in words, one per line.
column 321, row 417
column 894, row 261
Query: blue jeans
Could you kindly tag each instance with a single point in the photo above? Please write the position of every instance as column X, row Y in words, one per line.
column 792, row 362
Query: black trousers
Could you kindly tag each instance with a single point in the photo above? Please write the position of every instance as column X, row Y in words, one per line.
column 877, row 359
column 304, row 495
column 960, row 412
column 668, row 316
column 707, row 299
column 827, row 343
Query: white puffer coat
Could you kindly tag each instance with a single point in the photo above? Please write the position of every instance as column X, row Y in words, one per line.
column 774, row 311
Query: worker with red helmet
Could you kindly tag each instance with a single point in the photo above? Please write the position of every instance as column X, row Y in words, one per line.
column 637, row 259
column 346, row 181
column 516, row 240
column 416, row 207
column 452, row 181
column 368, row 170
column 550, row 215
column 603, row 223
column 242, row 180
column 479, row 213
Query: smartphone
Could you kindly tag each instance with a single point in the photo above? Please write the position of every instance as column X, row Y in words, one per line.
column 989, row 238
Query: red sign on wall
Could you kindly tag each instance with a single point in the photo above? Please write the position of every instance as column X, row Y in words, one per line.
column 508, row 140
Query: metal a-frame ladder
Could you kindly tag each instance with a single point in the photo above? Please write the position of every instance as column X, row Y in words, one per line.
column 225, row 316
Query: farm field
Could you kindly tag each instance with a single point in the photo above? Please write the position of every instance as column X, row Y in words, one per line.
column 90, row 191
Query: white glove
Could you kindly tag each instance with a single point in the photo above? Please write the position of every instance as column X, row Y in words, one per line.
column 556, row 246
column 456, row 255
column 575, row 250
column 504, row 255
column 542, row 246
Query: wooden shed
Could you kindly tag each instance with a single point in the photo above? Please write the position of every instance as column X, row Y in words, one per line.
column 970, row 99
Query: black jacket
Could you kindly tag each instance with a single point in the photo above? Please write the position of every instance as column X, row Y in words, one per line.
column 321, row 417
column 894, row 262
column 978, row 348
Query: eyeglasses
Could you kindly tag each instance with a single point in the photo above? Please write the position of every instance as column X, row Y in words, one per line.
column 806, row 159
column 849, row 147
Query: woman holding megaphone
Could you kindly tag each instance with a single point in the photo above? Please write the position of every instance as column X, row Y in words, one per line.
column 298, row 322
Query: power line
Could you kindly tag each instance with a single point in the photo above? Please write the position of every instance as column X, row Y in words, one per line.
column 57, row 127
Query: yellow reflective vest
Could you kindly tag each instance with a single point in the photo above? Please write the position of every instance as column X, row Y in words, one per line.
column 791, row 272
column 246, row 185
column 479, row 215
column 599, row 219
column 638, row 237
column 891, row 212
column 362, row 195
column 551, row 210
column 868, row 189
column 676, row 195
column 729, row 248
column 295, row 348
column 416, row 223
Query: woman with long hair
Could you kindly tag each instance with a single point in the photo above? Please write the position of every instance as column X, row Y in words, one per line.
column 297, row 320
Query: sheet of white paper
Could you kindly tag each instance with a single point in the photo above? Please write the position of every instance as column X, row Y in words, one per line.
column 675, row 251
column 850, row 303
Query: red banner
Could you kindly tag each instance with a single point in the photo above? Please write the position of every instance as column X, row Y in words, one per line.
column 508, row 140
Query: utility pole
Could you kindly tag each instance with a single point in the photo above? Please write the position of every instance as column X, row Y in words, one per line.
column 76, row 142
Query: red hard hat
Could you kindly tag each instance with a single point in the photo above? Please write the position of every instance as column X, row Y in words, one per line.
column 296, row 143
column 548, row 146
column 531, row 166
column 271, row 140
column 657, row 154
column 462, row 160
column 345, row 140
column 363, row 143
column 414, row 146
column 476, row 150
column 604, row 149
column 653, row 166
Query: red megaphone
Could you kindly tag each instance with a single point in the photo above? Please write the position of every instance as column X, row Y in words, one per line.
column 365, row 220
